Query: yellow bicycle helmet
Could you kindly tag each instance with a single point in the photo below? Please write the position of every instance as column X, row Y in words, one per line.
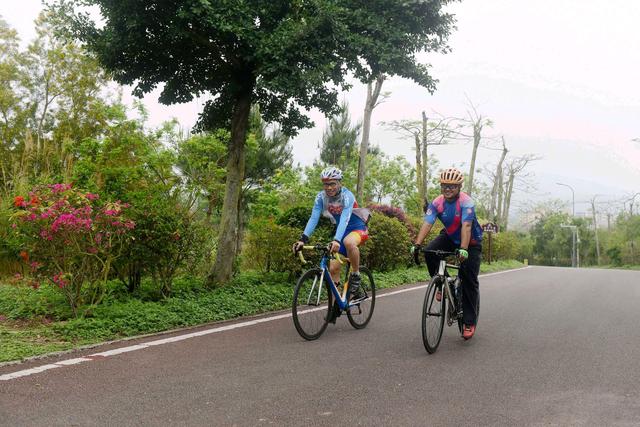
column 451, row 176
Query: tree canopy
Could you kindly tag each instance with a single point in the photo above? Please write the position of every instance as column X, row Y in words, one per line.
column 282, row 53
column 282, row 56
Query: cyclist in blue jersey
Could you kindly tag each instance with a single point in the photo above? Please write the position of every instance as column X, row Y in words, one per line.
column 461, row 233
column 339, row 205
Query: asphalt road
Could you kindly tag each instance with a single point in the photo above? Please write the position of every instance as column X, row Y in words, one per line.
column 554, row 346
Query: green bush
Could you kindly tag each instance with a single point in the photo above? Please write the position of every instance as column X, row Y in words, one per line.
column 267, row 246
column 507, row 245
column 615, row 255
column 167, row 238
column 416, row 224
column 388, row 244
column 399, row 214
column 10, row 245
column 21, row 301
column 298, row 216
column 71, row 239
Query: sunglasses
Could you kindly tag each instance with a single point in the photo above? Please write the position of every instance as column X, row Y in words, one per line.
column 449, row 186
column 332, row 184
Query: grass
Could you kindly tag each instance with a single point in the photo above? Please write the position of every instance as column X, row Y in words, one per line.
column 615, row 267
column 20, row 341
column 36, row 322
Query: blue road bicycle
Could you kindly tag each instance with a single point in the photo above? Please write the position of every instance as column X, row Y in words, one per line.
column 317, row 300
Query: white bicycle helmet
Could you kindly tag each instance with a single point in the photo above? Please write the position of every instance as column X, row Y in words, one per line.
column 331, row 173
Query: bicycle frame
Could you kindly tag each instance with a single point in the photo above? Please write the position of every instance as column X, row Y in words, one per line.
column 342, row 300
column 442, row 272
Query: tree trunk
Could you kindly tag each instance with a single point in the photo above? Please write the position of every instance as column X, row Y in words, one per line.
column 425, row 160
column 477, row 129
column 372, row 99
column 227, row 239
column 240, row 232
column 497, row 185
column 502, row 192
column 421, row 191
column 507, row 202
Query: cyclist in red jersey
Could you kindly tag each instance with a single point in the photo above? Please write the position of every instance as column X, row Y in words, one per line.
column 462, row 233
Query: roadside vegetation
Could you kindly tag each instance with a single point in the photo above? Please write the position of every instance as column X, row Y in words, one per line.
column 110, row 228
column 31, row 326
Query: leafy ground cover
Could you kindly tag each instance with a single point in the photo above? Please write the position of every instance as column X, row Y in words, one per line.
column 36, row 322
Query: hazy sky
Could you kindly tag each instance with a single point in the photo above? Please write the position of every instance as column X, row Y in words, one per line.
column 559, row 78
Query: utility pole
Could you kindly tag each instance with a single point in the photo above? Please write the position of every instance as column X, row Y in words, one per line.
column 595, row 228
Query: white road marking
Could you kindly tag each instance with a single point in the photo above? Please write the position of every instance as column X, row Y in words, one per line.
column 27, row 372
column 75, row 361
column 386, row 294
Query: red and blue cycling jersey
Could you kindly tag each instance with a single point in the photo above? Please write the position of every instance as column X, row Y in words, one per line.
column 453, row 215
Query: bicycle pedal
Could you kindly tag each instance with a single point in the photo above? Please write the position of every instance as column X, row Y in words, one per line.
column 357, row 307
column 332, row 317
column 362, row 298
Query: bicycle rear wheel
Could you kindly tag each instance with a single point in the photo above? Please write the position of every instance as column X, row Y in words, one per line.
column 312, row 304
column 360, row 313
column 433, row 313
column 460, row 320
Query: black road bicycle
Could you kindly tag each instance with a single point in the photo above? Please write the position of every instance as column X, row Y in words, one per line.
column 442, row 301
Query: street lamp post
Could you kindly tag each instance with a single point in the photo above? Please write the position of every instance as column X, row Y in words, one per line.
column 575, row 253
column 577, row 247
column 573, row 198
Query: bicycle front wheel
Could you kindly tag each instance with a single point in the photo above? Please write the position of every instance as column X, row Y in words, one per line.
column 360, row 313
column 312, row 304
column 433, row 313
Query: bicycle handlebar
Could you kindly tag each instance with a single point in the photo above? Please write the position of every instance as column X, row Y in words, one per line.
column 320, row 247
column 438, row 252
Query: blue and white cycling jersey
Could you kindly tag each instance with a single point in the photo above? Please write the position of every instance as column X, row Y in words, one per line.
column 341, row 209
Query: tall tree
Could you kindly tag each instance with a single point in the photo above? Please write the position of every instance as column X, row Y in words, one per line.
column 514, row 170
column 424, row 133
column 389, row 179
column 201, row 160
column 340, row 139
column 52, row 96
column 279, row 55
column 12, row 111
column 413, row 129
column 497, row 188
column 631, row 201
column 373, row 93
column 477, row 123
column 439, row 130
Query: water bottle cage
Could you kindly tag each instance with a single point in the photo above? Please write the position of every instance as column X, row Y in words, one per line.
column 454, row 286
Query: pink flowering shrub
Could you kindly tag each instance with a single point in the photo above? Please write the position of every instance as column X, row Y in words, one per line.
column 70, row 239
column 394, row 212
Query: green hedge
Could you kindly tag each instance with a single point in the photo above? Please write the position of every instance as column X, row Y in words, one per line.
column 388, row 244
